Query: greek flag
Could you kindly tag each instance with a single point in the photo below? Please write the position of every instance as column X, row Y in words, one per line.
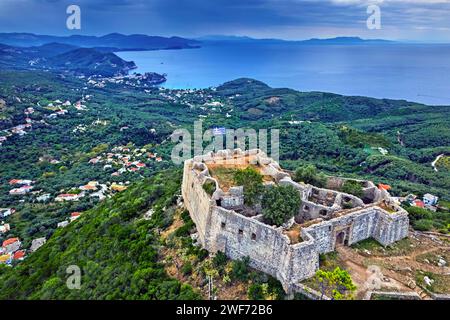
column 219, row 131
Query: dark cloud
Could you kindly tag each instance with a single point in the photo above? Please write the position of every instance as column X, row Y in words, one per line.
column 406, row 19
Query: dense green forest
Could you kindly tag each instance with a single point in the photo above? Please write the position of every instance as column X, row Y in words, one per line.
column 339, row 135
column 387, row 141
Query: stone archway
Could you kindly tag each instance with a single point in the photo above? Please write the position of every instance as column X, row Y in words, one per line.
column 341, row 238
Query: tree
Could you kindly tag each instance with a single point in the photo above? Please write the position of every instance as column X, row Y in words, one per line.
column 309, row 174
column 353, row 187
column 336, row 284
column 280, row 203
column 240, row 269
column 252, row 181
column 220, row 260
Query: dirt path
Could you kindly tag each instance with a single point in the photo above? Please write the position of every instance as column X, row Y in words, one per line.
column 399, row 139
column 381, row 271
column 368, row 276
column 433, row 164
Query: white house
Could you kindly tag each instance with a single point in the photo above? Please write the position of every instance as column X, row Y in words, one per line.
column 20, row 191
column 37, row 243
column 430, row 200
column 6, row 212
column 63, row 224
column 69, row 197
column 4, row 228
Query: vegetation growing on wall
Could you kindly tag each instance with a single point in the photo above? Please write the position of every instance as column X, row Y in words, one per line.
column 353, row 187
column 252, row 181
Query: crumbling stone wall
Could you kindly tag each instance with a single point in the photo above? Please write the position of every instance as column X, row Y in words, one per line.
column 391, row 227
column 196, row 200
column 367, row 223
column 268, row 249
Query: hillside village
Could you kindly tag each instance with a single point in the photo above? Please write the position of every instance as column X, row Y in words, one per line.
column 120, row 160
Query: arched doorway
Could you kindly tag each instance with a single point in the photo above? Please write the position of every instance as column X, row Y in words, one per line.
column 341, row 238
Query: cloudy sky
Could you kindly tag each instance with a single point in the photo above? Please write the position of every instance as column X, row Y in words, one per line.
column 416, row 20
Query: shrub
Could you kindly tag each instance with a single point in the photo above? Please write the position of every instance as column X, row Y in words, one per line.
column 309, row 174
column 186, row 269
column 336, row 284
column 347, row 205
column 240, row 269
column 220, row 260
column 186, row 216
column 185, row 229
column 255, row 292
column 423, row 225
column 202, row 254
column 416, row 213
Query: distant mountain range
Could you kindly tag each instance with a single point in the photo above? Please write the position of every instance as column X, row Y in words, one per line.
column 92, row 55
column 330, row 41
column 115, row 42
column 110, row 42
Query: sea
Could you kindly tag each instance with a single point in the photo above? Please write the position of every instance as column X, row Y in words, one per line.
column 413, row 72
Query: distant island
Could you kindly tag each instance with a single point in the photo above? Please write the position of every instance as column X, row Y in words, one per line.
column 81, row 55
column 313, row 41
column 112, row 42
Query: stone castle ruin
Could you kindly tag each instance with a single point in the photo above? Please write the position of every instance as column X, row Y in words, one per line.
column 327, row 218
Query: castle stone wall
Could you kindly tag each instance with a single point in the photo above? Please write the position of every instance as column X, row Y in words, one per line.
column 196, row 201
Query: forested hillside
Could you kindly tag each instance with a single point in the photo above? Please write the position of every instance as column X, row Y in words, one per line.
column 340, row 135
column 117, row 250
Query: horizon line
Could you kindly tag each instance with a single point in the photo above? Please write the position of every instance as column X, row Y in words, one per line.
column 237, row 36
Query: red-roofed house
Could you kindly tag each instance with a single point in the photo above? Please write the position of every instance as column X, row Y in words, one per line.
column 94, row 160
column 384, row 187
column 20, row 191
column 419, row 203
column 88, row 187
column 74, row 216
column 19, row 255
column 21, row 182
column 11, row 245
